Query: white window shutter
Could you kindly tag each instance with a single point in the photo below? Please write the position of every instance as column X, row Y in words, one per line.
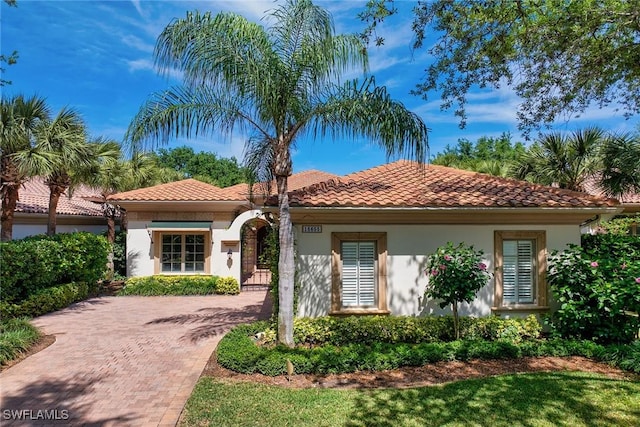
column 525, row 271
column 358, row 274
column 518, row 271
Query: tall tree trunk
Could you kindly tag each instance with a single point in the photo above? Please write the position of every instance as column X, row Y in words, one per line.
column 9, row 202
column 110, row 212
column 456, row 320
column 111, row 238
column 58, row 184
column 286, row 267
column 52, row 220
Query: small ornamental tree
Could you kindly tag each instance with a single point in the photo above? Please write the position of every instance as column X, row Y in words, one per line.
column 456, row 274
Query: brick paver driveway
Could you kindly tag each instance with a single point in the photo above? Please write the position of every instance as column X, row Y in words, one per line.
column 122, row 361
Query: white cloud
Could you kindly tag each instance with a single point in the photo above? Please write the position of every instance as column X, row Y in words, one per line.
column 144, row 64
column 138, row 6
column 137, row 43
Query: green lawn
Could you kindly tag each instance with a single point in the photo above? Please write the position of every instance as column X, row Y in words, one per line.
column 537, row 399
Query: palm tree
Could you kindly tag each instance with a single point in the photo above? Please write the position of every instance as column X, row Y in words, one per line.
column 20, row 117
column 621, row 165
column 278, row 83
column 111, row 174
column 564, row 161
column 105, row 172
column 63, row 141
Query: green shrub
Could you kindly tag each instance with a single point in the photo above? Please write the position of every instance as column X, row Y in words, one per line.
column 177, row 285
column 596, row 287
column 120, row 255
column 404, row 329
column 238, row 351
column 170, row 285
column 39, row 262
column 46, row 300
column 496, row 328
column 16, row 336
column 227, row 286
column 625, row 357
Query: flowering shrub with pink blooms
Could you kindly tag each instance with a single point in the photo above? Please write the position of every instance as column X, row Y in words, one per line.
column 456, row 274
column 597, row 287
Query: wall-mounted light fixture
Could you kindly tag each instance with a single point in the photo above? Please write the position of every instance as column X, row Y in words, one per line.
column 150, row 233
column 230, row 253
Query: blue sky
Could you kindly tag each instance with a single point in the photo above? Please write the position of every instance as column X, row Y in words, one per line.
column 97, row 57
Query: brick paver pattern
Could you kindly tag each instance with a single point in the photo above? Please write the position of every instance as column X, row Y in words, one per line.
column 122, row 361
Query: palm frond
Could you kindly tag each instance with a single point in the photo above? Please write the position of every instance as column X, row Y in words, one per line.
column 182, row 111
column 621, row 165
column 364, row 109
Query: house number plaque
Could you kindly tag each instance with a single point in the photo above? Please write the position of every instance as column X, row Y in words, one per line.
column 312, row 229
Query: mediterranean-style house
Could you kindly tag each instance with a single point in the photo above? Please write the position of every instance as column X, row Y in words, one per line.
column 362, row 239
column 80, row 212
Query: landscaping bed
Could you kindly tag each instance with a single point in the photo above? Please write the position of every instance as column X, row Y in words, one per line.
column 421, row 376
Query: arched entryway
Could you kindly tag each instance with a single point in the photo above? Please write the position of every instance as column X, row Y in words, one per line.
column 255, row 273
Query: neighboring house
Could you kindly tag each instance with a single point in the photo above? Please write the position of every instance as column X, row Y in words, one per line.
column 76, row 213
column 362, row 239
column 190, row 227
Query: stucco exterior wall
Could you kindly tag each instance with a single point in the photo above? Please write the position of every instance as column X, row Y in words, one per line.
column 224, row 236
column 407, row 247
column 139, row 250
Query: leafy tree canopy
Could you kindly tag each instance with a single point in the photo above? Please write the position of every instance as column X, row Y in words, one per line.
column 487, row 155
column 559, row 56
column 203, row 166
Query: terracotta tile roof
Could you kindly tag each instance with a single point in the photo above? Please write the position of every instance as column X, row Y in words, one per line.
column 186, row 190
column 404, row 184
column 591, row 187
column 295, row 182
column 34, row 198
column 194, row 190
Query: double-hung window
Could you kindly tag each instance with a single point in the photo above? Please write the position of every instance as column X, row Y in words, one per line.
column 358, row 272
column 520, row 269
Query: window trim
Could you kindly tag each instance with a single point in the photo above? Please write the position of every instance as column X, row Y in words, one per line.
column 157, row 252
column 336, row 272
column 540, row 239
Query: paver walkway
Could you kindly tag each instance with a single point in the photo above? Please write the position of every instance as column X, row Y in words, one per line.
column 121, row 361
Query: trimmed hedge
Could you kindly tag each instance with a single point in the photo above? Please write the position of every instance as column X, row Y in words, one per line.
column 238, row 351
column 47, row 300
column 39, row 262
column 180, row 285
column 403, row 329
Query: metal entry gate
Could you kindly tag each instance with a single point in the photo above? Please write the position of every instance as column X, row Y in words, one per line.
column 254, row 275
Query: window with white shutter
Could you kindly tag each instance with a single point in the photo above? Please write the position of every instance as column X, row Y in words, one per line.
column 520, row 259
column 519, row 267
column 359, row 272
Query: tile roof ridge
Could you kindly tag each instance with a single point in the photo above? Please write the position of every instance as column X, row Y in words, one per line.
column 533, row 185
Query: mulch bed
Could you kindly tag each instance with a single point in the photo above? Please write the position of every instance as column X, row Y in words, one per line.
column 43, row 342
column 428, row 375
